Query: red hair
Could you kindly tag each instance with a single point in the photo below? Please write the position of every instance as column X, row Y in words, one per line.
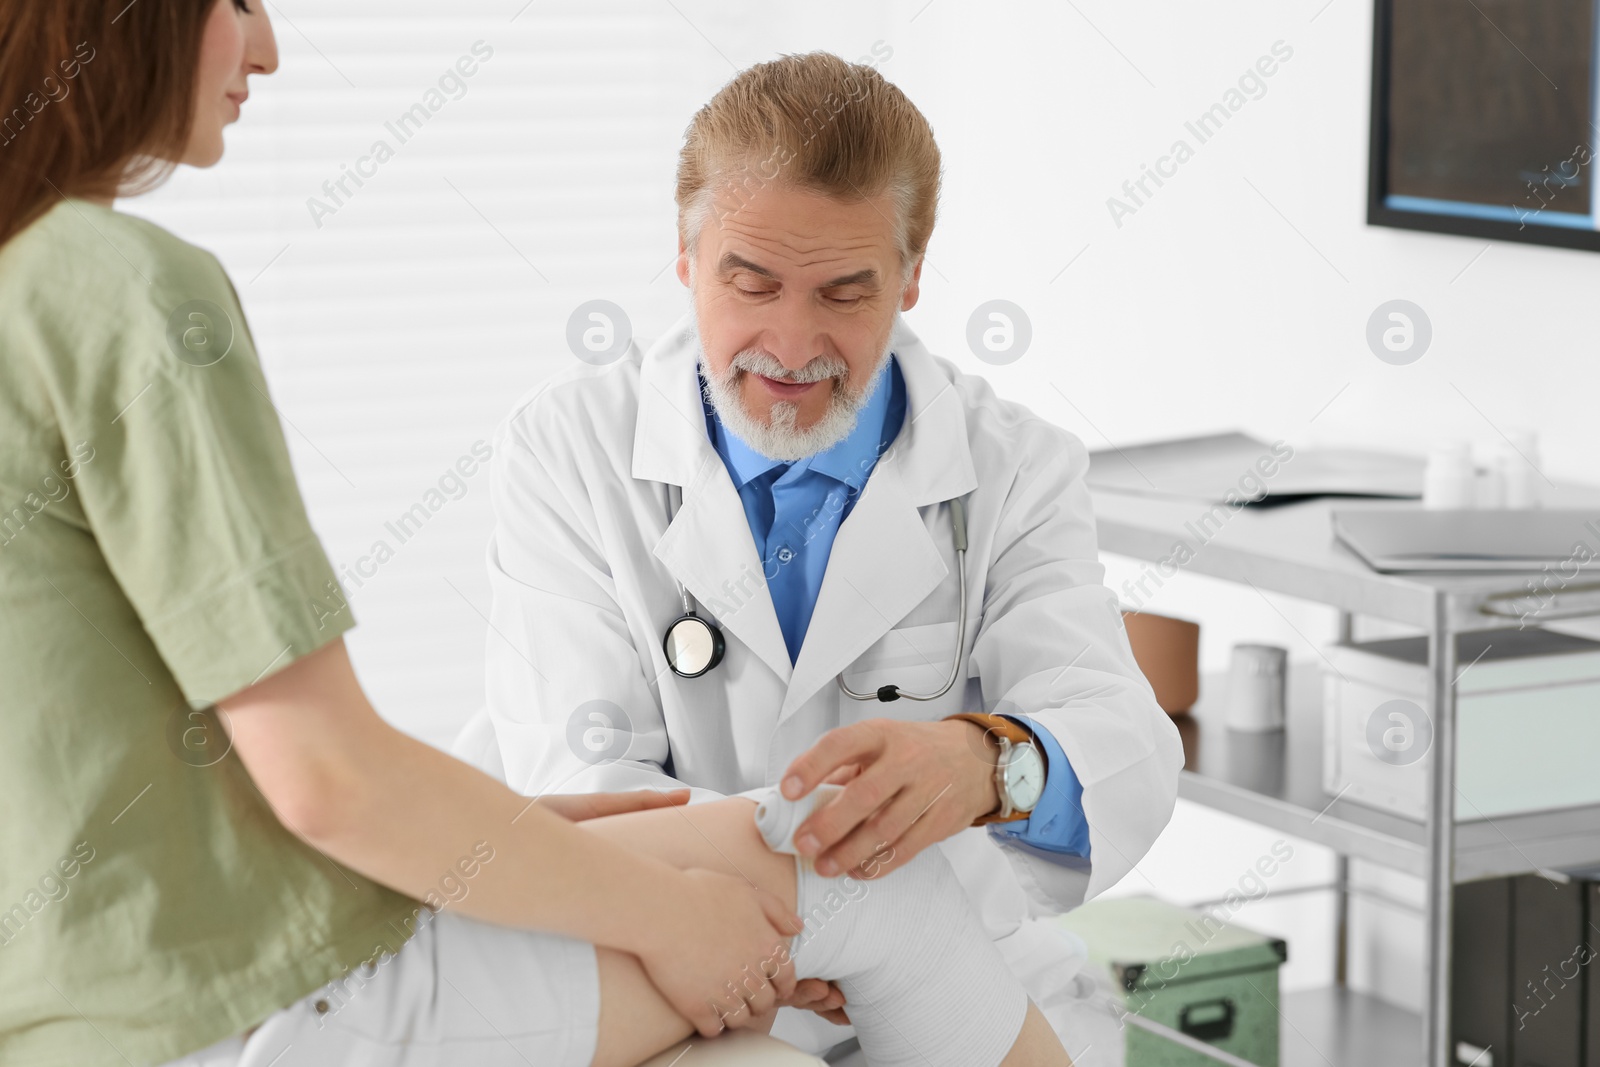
column 100, row 98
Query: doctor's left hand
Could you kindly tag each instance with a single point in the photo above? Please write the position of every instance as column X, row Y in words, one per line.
column 580, row 806
column 915, row 784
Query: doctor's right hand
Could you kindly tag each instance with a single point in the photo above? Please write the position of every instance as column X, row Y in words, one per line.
column 718, row 951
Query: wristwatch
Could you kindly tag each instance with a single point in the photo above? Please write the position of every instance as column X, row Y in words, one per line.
column 1018, row 774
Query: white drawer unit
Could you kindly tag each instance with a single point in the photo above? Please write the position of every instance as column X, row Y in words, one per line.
column 1527, row 712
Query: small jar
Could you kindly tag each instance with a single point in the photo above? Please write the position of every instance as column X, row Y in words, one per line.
column 1450, row 480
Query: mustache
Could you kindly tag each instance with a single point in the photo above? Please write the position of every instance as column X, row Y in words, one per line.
column 821, row 368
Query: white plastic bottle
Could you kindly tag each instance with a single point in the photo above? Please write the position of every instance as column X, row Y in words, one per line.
column 1519, row 468
column 1450, row 480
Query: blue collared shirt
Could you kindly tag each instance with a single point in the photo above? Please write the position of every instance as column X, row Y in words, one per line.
column 795, row 511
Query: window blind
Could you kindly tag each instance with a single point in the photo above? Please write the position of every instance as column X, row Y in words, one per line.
column 514, row 160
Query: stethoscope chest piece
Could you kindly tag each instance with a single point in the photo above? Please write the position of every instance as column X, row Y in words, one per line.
column 693, row 645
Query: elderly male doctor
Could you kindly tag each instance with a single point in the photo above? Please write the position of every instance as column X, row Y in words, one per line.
column 791, row 465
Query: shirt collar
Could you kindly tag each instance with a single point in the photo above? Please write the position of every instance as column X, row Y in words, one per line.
column 848, row 461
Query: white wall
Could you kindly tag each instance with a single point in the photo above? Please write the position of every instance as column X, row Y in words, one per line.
column 1237, row 295
column 397, row 332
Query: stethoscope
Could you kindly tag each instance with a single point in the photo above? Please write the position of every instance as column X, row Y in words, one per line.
column 694, row 645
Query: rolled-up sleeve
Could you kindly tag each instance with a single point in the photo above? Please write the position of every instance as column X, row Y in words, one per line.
column 191, row 495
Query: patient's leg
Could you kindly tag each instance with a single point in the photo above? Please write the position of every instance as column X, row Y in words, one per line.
column 919, row 976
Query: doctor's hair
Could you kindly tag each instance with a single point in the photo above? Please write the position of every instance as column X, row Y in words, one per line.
column 814, row 122
column 98, row 98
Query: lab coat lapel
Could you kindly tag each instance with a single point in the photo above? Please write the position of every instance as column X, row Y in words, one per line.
column 883, row 564
column 669, row 434
column 708, row 547
column 884, row 561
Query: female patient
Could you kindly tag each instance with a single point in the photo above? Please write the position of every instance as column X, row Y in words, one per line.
column 170, row 884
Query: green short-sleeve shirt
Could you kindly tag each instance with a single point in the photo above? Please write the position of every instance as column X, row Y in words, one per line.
column 155, row 557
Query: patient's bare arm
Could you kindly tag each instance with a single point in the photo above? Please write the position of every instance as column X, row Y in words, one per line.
column 400, row 811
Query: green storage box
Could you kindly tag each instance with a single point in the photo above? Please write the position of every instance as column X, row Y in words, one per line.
column 1187, row 970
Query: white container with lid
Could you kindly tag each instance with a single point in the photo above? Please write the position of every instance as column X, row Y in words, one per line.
column 1527, row 715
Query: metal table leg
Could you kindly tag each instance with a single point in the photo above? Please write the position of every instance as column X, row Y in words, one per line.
column 1441, row 834
column 1341, row 930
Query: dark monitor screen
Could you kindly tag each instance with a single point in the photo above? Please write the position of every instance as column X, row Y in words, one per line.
column 1483, row 119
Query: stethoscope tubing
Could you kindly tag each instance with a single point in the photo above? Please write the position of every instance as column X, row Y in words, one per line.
column 885, row 693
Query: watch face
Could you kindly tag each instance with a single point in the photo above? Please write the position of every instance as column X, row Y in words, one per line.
column 1024, row 777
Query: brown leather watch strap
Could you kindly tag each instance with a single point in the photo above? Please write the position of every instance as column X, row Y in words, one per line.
column 1014, row 732
column 999, row 725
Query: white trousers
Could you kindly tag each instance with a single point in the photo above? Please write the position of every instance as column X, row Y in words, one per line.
column 459, row 991
column 924, row 985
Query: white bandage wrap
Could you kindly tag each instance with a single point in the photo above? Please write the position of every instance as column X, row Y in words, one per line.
column 923, row 984
column 778, row 818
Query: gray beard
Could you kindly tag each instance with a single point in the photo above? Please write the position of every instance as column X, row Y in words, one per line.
column 779, row 438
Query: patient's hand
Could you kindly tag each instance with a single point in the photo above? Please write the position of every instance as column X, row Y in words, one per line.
column 717, row 947
column 581, row 806
column 824, row 998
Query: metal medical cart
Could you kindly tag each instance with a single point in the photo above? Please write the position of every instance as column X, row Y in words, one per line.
column 1275, row 780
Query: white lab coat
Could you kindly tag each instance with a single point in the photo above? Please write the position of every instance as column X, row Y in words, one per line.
column 584, row 570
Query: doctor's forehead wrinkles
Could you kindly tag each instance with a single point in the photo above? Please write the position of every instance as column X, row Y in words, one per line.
column 805, row 230
column 733, row 261
column 772, row 250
